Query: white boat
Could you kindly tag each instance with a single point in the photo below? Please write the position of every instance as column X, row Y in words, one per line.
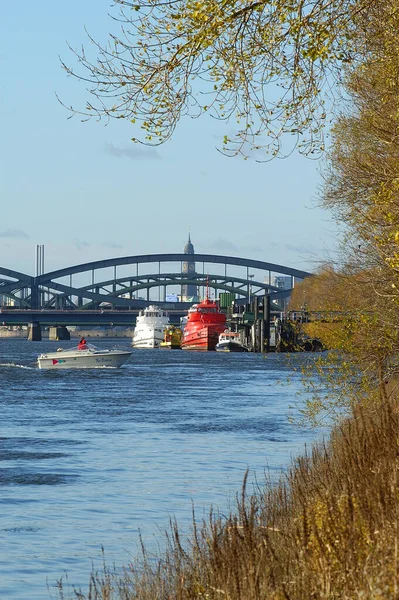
column 89, row 358
column 150, row 327
column 230, row 341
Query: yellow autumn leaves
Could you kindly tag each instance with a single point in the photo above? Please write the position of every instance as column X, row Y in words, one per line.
column 265, row 61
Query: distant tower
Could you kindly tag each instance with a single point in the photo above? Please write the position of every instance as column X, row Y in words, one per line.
column 189, row 291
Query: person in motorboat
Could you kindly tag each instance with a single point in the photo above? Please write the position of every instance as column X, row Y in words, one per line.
column 82, row 344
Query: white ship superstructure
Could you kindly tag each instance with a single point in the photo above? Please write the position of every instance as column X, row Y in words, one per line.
column 150, row 326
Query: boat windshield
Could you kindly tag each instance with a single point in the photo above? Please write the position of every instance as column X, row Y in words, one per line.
column 88, row 347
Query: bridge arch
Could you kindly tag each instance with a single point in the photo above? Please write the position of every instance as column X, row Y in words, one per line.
column 46, row 290
column 176, row 257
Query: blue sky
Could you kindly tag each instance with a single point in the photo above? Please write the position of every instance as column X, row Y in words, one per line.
column 86, row 192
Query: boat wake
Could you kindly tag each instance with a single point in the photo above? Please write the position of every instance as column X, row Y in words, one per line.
column 15, row 366
column 98, row 367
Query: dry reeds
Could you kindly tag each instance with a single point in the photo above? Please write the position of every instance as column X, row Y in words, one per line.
column 328, row 530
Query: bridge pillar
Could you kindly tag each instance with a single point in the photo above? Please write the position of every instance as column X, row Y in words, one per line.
column 34, row 332
column 59, row 332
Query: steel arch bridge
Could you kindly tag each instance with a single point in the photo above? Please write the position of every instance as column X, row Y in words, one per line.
column 56, row 289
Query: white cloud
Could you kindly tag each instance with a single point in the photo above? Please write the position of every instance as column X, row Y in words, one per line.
column 112, row 245
column 134, row 151
column 14, row 233
column 223, row 245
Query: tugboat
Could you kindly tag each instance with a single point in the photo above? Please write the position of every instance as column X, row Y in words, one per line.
column 205, row 322
column 230, row 341
column 172, row 338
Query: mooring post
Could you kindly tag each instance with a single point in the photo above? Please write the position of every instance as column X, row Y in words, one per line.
column 256, row 323
column 262, row 333
column 266, row 321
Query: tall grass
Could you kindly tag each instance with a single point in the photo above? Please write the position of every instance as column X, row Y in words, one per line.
column 328, row 530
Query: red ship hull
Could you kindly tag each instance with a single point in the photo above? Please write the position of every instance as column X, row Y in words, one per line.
column 205, row 338
column 204, row 324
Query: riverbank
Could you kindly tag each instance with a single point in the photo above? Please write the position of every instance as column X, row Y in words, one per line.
column 75, row 334
column 328, row 530
column 102, row 333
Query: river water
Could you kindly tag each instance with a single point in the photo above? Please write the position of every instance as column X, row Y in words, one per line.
column 90, row 458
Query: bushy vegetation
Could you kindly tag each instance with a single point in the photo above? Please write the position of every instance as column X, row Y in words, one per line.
column 353, row 305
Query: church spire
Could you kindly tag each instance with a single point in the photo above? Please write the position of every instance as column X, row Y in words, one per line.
column 189, row 248
column 189, row 291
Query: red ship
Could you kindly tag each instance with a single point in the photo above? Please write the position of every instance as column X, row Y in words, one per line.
column 205, row 322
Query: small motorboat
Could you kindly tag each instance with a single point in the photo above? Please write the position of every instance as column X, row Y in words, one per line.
column 230, row 341
column 88, row 358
